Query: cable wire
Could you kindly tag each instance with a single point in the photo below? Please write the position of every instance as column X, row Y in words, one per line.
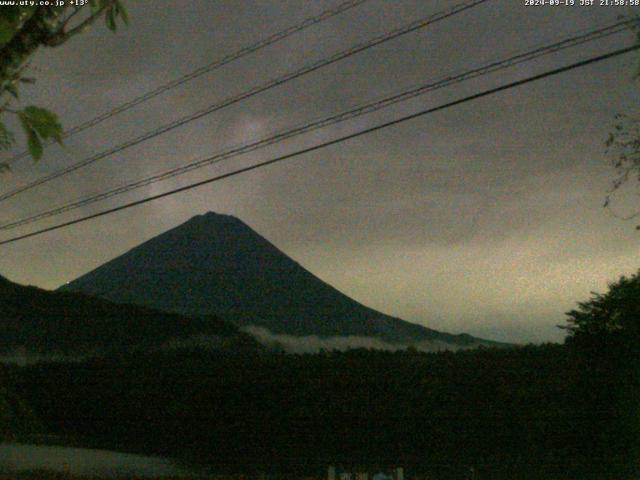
column 491, row 67
column 411, row 27
column 220, row 62
column 335, row 141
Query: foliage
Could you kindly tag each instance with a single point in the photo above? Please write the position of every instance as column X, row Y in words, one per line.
column 526, row 413
column 623, row 146
column 534, row 412
column 15, row 416
column 615, row 314
column 24, row 29
column 39, row 124
column 43, row 320
column 604, row 334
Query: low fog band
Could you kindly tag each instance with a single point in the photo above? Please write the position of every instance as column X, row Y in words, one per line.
column 335, row 141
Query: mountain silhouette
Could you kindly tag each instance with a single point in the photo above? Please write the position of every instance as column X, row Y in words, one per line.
column 216, row 264
column 37, row 322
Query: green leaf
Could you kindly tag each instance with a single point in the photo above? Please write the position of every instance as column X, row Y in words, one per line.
column 6, row 137
column 39, row 124
column 34, row 144
column 44, row 122
column 122, row 11
column 110, row 19
column 11, row 20
column 17, row 15
column 4, row 167
column 7, row 31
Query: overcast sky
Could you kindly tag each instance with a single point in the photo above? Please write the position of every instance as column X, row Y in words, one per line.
column 485, row 218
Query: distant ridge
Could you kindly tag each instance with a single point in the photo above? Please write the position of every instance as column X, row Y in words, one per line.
column 36, row 322
column 216, row 264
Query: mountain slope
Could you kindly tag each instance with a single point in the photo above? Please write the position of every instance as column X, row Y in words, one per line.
column 36, row 321
column 216, row 264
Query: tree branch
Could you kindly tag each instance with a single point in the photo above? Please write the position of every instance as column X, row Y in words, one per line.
column 61, row 37
column 68, row 19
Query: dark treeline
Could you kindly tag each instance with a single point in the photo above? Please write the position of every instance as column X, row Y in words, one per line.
column 16, row 417
column 538, row 412
column 72, row 324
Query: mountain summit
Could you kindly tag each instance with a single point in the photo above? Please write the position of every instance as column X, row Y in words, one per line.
column 216, row 264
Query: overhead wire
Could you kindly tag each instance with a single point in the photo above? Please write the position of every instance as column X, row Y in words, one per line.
column 336, row 57
column 490, row 67
column 218, row 63
column 365, row 131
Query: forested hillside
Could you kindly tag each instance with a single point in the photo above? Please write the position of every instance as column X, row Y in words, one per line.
column 536, row 412
column 16, row 417
column 36, row 321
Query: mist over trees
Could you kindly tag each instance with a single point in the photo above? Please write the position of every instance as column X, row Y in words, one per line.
column 534, row 412
column 529, row 412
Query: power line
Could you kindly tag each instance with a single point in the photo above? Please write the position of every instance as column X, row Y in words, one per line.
column 220, row 62
column 409, row 28
column 335, row 141
column 491, row 67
